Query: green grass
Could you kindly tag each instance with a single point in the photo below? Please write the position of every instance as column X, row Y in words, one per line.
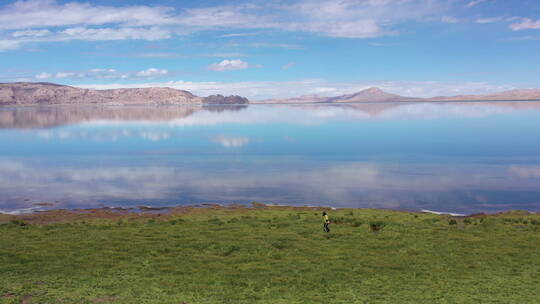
column 273, row 255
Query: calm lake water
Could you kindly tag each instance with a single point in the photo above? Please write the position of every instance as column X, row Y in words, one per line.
column 456, row 157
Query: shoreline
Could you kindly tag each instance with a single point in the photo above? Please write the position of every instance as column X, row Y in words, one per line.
column 18, row 105
column 62, row 215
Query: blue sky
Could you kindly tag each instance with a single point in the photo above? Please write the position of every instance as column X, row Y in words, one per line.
column 271, row 49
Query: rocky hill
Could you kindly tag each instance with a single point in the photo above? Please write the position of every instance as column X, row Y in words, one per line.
column 369, row 95
column 41, row 93
column 220, row 99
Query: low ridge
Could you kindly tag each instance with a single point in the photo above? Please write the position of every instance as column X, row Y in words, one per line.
column 43, row 93
column 374, row 94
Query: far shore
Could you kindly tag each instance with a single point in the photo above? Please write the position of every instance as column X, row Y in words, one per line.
column 49, row 216
column 37, row 93
column 255, row 102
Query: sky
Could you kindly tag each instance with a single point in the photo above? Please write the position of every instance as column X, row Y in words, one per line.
column 275, row 49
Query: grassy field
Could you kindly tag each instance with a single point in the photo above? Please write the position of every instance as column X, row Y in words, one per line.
column 269, row 255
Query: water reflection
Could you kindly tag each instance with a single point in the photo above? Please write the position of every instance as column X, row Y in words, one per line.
column 44, row 117
column 459, row 157
column 464, row 188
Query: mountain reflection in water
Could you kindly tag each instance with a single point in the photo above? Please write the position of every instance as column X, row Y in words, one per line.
column 462, row 157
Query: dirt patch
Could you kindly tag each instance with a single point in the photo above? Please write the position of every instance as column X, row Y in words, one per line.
column 104, row 299
column 27, row 299
column 8, row 295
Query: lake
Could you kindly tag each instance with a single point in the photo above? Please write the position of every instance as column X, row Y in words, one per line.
column 462, row 157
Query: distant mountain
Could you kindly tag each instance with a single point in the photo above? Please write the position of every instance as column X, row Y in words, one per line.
column 369, row 95
column 377, row 95
column 519, row 94
column 42, row 93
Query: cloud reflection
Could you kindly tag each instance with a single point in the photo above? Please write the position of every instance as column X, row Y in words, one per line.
column 466, row 188
column 231, row 141
column 525, row 172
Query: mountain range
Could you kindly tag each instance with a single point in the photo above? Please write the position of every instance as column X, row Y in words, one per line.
column 374, row 94
column 42, row 93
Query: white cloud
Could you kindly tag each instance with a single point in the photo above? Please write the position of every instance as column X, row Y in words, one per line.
column 83, row 33
column 49, row 13
column 103, row 70
column 101, row 73
column 525, row 24
column 488, row 20
column 152, row 72
column 236, row 35
column 224, row 55
column 324, row 91
column 229, row 65
column 31, row 33
column 24, row 79
column 226, row 16
column 288, row 65
column 276, row 45
column 356, row 19
column 7, row 45
column 43, row 75
column 449, row 19
column 35, row 20
column 473, row 3
column 64, row 75
column 352, row 29
column 159, row 55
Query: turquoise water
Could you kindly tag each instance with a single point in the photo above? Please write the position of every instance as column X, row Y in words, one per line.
column 456, row 157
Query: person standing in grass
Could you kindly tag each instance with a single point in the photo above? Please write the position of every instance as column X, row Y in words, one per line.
column 326, row 221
